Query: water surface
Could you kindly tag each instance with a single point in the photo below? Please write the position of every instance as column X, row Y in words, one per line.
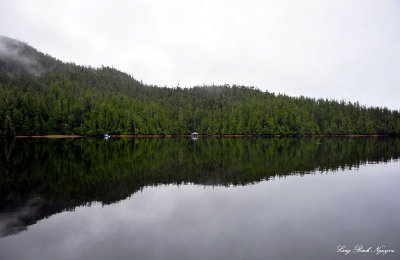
column 277, row 198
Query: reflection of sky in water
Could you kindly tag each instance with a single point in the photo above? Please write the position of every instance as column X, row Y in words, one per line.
column 292, row 218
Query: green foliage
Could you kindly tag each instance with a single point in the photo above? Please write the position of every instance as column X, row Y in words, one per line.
column 62, row 98
column 92, row 102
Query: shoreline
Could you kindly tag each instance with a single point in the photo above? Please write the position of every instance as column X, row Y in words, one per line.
column 61, row 136
column 49, row 136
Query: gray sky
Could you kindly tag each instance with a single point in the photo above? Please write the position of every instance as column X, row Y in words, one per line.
column 342, row 49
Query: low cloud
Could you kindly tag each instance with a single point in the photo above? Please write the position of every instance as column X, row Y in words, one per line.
column 341, row 49
column 13, row 53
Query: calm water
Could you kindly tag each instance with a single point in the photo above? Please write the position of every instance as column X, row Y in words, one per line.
column 278, row 198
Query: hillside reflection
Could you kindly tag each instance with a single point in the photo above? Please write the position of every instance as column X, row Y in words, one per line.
column 41, row 177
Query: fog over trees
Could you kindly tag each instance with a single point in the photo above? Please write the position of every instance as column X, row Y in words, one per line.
column 42, row 95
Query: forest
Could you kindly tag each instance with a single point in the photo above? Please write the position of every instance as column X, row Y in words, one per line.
column 40, row 95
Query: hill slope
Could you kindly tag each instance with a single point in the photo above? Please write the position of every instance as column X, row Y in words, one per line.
column 42, row 95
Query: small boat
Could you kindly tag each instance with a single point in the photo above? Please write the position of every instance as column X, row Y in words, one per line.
column 194, row 135
column 106, row 136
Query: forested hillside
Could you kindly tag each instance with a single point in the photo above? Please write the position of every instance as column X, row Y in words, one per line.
column 41, row 95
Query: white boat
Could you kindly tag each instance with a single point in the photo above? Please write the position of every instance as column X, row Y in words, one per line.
column 194, row 135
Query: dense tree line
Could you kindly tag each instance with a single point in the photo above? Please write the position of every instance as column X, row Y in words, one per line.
column 62, row 98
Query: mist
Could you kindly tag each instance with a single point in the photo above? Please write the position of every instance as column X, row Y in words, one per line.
column 15, row 54
column 344, row 50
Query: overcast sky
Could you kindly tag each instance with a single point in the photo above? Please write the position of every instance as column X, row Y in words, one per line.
column 342, row 49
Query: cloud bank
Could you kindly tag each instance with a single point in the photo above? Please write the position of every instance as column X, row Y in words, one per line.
column 12, row 52
column 337, row 49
